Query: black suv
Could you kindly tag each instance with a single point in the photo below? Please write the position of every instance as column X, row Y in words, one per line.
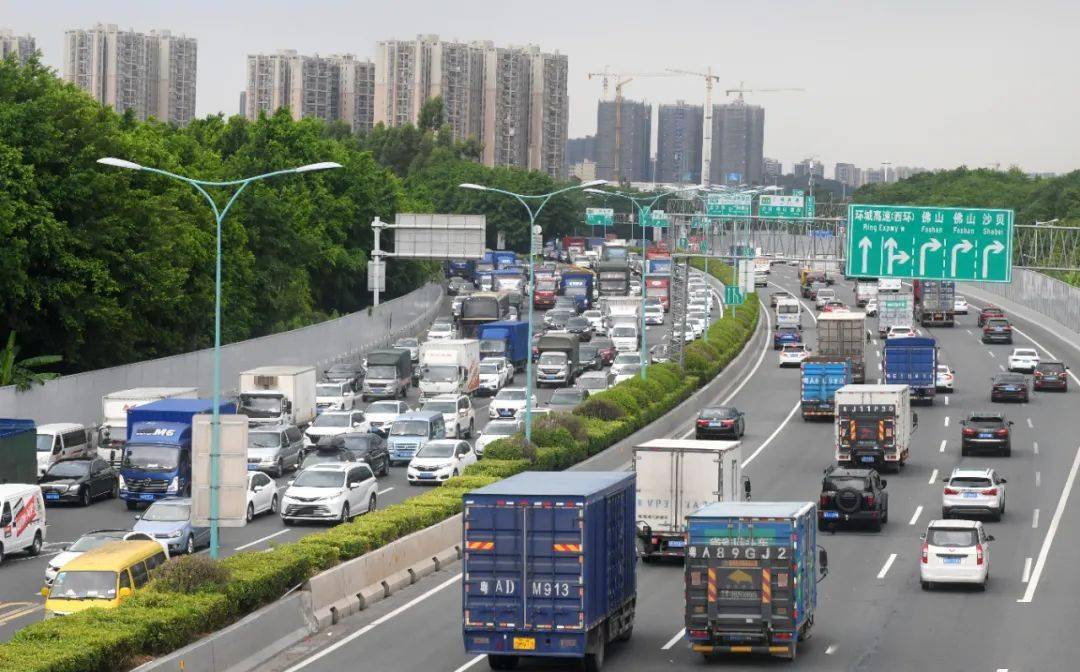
column 852, row 495
column 986, row 430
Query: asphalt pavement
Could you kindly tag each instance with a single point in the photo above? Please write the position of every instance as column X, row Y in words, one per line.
column 871, row 614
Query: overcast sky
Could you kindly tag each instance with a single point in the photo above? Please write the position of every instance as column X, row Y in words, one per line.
column 915, row 82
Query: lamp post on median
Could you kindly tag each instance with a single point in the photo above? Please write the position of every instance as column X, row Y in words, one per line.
column 533, row 203
column 219, row 215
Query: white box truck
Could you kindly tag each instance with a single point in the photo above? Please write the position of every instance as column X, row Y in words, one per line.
column 449, row 367
column 278, row 395
column 114, row 408
column 874, row 424
column 676, row 477
column 894, row 310
column 621, row 310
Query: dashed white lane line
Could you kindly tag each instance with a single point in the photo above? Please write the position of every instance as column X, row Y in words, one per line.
column 1001, row 367
column 1035, row 447
column 887, row 566
column 943, row 442
column 879, row 366
column 933, row 477
column 674, row 640
column 914, row 519
column 878, row 353
column 259, row 541
column 1035, row 518
column 469, row 664
column 1051, row 531
column 385, row 490
column 1027, row 571
column 946, row 400
column 946, row 421
column 968, row 331
column 1038, row 479
column 991, row 353
column 1030, row 426
column 831, row 649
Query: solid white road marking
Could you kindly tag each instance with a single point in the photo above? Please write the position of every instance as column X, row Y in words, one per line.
column 878, row 353
column 674, row 640
column 946, row 421
column 1050, row 354
column 259, row 541
column 830, row 649
column 374, row 624
column 879, row 366
column 1035, row 447
column 943, row 442
column 914, row 517
column 1051, row 531
column 469, row 664
column 1027, row 571
column 933, row 477
column 771, row 436
column 1035, row 518
column 1030, row 426
column 761, row 357
column 1038, row 478
column 888, row 564
column 385, row 490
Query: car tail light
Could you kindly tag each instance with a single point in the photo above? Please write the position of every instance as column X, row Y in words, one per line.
column 951, row 491
column 702, row 422
column 991, row 492
column 968, row 431
column 825, row 497
column 1038, row 374
column 1001, row 432
column 978, row 554
column 925, row 552
column 869, row 500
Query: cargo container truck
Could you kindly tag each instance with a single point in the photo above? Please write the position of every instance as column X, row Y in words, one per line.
column 912, row 362
column 821, row 378
column 563, row 363
column 480, row 308
column 505, row 339
column 579, row 285
column 508, row 279
column 750, row 576
column 613, row 277
column 843, row 335
column 935, row 302
column 549, row 567
column 389, row 374
column 462, row 268
column 114, row 408
column 866, row 290
column 659, row 288
column 895, row 310
column 278, row 395
column 874, row 424
column 546, row 289
column 676, row 477
column 505, row 259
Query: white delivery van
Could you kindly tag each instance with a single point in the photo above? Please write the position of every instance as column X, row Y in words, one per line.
column 788, row 312
column 22, row 519
column 62, row 441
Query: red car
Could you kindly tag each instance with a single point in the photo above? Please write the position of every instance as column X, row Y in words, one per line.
column 1051, row 376
column 606, row 349
column 988, row 312
column 833, row 307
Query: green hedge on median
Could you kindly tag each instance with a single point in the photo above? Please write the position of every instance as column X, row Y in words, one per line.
column 157, row 620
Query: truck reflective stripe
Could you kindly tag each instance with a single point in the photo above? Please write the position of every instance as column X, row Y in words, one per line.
column 712, row 585
column 569, row 548
column 480, row 545
column 766, row 586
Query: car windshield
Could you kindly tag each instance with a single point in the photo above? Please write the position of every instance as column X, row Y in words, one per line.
column 317, row 478
column 333, row 420
column 436, row 449
column 441, row 406
column 845, row 482
column 489, row 368
column 85, row 585
column 787, row 331
column 409, row 428
column 407, row 343
column 593, row 383
column 69, row 468
column 150, row 457
column 943, row 536
column 723, row 413
column 998, row 323
column 264, row 439
column 44, row 443
column 578, row 322
column 795, row 348
column 588, row 352
column 383, row 407
column 441, row 374
column 626, row 369
column 985, row 420
column 567, row 397
column 260, row 403
column 942, row 368
column 168, row 512
column 492, row 345
column 358, row 442
column 1011, row 378
column 511, row 395
column 552, row 358
column 89, row 542
column 500, row 428
column 624, row 332
column 382, row 372
column 327, row 390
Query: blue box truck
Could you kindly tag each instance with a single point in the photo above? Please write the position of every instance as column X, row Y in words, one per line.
column 462, row 268
column 912, row 362
column 549, row 566
column 505, row 339
column 821, row 378
column 578, row 285
column 751, row 573
column 157, row 455
column 505, row 259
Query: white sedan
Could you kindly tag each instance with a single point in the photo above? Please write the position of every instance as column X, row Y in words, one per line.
column 793, row 354
column 901, row 332
column 1023, row 359
column 960, row 305
column 871, row 308
column 596, row 319
column 945, row 379
column 495, row 430
column 441, row 331
column 508, row 402
column 262, row 495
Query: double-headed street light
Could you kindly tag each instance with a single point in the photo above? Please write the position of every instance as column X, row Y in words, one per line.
column 533, row 203
column 219, row 215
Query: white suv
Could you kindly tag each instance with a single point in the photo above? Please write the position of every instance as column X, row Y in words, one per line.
column 955, row 551
column 439, row 460
column 330, row 491
column 1024, row 360
column 974, row 492
column 457, row 411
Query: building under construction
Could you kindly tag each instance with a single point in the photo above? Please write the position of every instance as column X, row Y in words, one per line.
column 635, row 141
column 332, row 88
column 19, row 47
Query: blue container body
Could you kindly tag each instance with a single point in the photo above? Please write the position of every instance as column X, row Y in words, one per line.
column 659, row 267
column 173, row 410
column 14, row 427
column 462, row 268
column 580, row 286
column 820, row 381
column 547, row 559
column 514, row 334
column 750, row 576
column 912, row 362
column 595, row 243
column 488, row 258
column 18, row 451
column 505, row 259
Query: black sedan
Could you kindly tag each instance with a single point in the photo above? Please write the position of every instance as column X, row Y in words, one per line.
column 1009, row 386
column 580, row 326
column 81, row 481
column 720, row 422
column 590, row 358
column 370, row 448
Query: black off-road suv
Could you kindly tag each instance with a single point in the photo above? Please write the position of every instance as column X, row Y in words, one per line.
column 852, row 495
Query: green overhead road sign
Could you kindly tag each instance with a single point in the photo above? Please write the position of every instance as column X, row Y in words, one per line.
column 733, row 295
column 703, row 247
column 728, row 205
column 657, row 218
column 599, row 216
column 930, row 243
column 786, row 207
column 698, row 221
column 682, row 242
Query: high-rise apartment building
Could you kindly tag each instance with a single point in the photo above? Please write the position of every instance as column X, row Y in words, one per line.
column 152, row 74
column 579, row 150
column 809, row 168
column 507, row 94
column 772, row 170
column 332, row 88
column 267, row 83
column 738, row 144
column 635, row 141
column 678, row 143
column 21, row 47
column 355, row 91
column 549, row 108
column 847, row 174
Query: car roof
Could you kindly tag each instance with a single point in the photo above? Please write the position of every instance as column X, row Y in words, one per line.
column 445, row 397
column 965, row 472
column 444, row 442
column 955, row 523
column 58, row 427
column 331, row 466
column 114, row 555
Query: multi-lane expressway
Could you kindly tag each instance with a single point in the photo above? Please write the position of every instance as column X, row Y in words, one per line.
column 872, row 614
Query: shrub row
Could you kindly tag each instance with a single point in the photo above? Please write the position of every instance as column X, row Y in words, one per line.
column 190, row 599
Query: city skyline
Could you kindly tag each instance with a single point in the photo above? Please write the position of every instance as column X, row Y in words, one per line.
column 988, row 73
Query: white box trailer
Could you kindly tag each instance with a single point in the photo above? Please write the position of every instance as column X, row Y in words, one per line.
column 621, row 310
column 114, row 408
column 278, row 395
column 873, row 425
column 676, row 477
column 449, row 367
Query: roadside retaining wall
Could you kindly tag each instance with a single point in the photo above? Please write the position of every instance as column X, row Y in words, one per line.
column 77, row 398
column 1055, row 300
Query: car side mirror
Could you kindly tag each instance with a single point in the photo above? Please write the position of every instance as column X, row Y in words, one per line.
column 124, row 593
column 137, row 516
column 922, row 536
column 990, row 537
column 914, row 420
column 6, row 520
column 823, row 559
column 746, row 487
column 1003, row 481
column 290, row 483
column 1010, row 423
column 44, row 591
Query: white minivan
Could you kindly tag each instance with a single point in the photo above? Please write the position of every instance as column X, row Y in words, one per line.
column 22, row 519
column 62, row 441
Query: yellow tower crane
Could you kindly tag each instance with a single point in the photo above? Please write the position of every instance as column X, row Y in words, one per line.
column 621, row 79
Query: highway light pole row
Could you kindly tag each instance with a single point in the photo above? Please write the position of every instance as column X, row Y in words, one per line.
column 219, row 215
column 533, row 203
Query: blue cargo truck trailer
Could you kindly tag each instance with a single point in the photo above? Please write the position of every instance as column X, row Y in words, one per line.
column 508, row 339
column 912, row 362
column 751, row 574
column 579, row 286
column 157, row 455
column 549, row 566
column 821, row 378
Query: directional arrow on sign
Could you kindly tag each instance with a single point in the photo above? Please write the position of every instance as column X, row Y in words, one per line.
column 890, row 249
column 865, row 246
column 993, row 248
column 933, row 245
column 964, row 246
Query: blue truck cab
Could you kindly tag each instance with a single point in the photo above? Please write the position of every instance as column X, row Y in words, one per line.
column 462, row 268
column 157, row 456
column 505, row 259
column 912, row 362
column 579, row 286
column 821, row 378
column 508, row 339
column 549, row 566
column 751, row 573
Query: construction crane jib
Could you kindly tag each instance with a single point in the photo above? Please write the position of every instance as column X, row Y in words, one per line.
column 621, row 79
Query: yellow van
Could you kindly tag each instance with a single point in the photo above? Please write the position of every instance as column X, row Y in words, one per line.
column 103, row 577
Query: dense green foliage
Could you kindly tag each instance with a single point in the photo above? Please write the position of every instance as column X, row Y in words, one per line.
column 103, row 266
column 191, row 597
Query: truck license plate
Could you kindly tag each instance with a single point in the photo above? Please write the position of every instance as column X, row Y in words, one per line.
column 146, row 497
column 524, row 644
column 831, row 515
column 676, row 543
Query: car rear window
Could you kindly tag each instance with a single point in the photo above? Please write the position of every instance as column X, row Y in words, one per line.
column 998, row 323
column 845, row 482
column 970, row 482
column 985, row 420
column 1011, row 378
column 943, row 536
column 720, row 413
column 1052, row 367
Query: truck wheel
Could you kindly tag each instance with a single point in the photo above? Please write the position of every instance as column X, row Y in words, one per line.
column 502, row 662
column 131, row 506
column 114, row 492
column 625, row 635
column 595, row 660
